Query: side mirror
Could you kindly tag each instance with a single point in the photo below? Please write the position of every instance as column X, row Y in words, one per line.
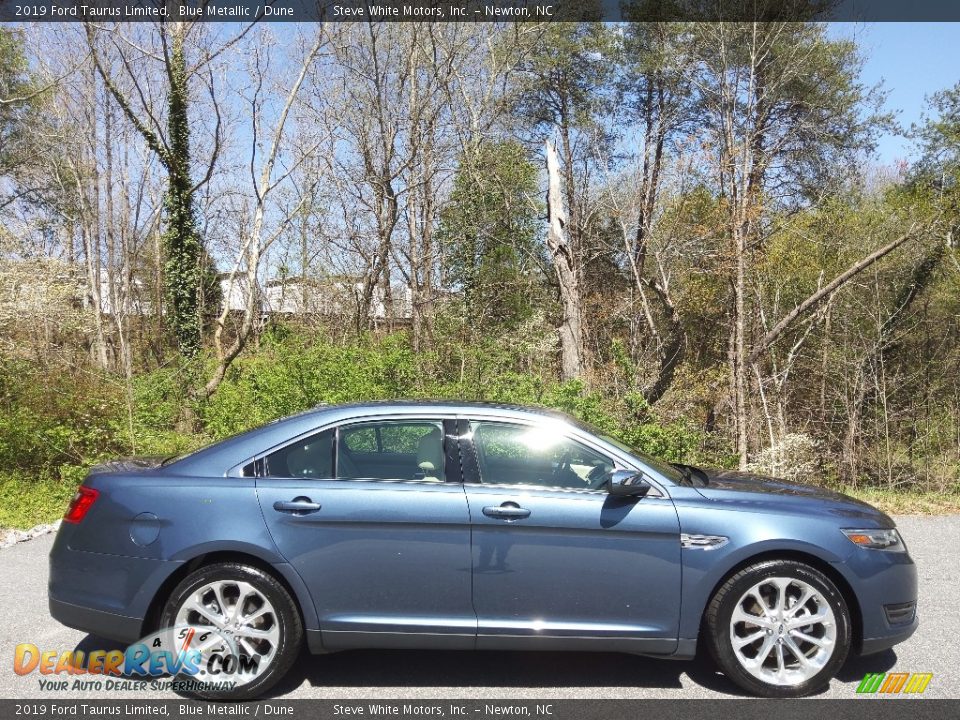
column 628, row 483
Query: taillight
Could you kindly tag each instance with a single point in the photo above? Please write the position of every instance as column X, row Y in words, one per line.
column 80, row 504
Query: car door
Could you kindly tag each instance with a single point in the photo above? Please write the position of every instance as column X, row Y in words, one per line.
column 557, row 562
column 374, row 518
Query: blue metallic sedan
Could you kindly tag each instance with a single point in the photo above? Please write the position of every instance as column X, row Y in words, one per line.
column 464, row 526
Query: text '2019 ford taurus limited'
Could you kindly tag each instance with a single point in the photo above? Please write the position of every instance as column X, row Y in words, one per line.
column 471, row 526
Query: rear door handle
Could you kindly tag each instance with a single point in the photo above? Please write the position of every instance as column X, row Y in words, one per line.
column 507, row 511
column 297, row 506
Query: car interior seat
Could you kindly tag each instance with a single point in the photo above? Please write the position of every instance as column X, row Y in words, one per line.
column 302, row 461
column 430, row 455
column 346, row 467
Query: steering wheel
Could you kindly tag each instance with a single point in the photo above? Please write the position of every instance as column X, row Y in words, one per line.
column 599, row 475
column 562, row 470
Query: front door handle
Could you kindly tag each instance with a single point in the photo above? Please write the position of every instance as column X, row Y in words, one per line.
column 507, row 511
column 297, row 506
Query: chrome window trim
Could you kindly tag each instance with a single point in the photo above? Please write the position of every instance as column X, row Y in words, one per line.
column 531, row 489
column 390, row 481
column 446, row 412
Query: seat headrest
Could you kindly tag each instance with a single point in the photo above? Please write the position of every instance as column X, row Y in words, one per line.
column 430, row 455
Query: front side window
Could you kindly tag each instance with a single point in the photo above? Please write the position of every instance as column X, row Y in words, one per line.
column 392, row 450
column 310, row 457
column 529, row 455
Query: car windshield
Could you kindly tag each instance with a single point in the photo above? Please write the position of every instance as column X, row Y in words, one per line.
column 664, row 468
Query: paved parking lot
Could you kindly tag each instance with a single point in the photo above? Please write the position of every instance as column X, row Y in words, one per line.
column 933, row 541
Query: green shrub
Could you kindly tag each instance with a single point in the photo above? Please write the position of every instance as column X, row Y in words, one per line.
column 26, row 501
column 291, row 375
column 55, row 425
column 48, row 417
column 288, row 375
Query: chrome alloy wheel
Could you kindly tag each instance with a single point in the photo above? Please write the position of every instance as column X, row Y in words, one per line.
column 240, row 614
column 783, row 631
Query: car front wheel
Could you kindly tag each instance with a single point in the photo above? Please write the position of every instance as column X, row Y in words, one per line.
column 243, row 625
column 779, row 628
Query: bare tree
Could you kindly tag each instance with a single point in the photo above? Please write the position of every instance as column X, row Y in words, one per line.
column 255, row 242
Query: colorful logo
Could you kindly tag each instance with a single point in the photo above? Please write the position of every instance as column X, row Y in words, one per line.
column 183, row 650
column 894, row 683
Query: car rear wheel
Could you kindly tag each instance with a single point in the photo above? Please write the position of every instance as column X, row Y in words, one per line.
column 244, row 624
column 779, row 628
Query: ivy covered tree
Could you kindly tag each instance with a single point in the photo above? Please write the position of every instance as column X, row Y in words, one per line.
column 489, row 233
column 18, row 97
column 183, row 248
column 189, row 275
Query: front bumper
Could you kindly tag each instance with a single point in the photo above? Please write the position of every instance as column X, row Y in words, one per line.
column 885, row 583
column 870, row 646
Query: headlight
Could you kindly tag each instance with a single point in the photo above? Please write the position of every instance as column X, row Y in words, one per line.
column 882, row 539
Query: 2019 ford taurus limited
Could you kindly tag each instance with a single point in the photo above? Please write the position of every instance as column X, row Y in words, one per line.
column 471, row 526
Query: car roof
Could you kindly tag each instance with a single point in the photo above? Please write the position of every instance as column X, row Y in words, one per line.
column 428, row 404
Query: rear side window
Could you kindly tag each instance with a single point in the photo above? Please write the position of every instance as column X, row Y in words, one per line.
column 392, row 450
column 310, row 457
column 361, row 439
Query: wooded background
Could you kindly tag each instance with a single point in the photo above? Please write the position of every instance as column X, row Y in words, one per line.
column 676, row 231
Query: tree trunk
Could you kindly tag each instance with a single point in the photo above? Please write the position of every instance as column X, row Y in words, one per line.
column 92, row 222
column 182, row 247
column 254, row 246
column 671, row 350
column 670, row 353
column 571, row 338
column 739, row 350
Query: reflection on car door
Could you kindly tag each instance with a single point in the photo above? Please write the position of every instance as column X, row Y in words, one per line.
column 556, row 564
column 385, row 547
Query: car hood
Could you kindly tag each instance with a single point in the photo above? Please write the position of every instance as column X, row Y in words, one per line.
column 129, row 464
column 742, row 487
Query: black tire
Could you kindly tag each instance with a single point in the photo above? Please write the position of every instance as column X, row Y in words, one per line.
column 288, row 616
column 720, row 613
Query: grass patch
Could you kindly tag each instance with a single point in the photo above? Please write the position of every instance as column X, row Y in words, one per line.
column 907, row 502
column 25, row 502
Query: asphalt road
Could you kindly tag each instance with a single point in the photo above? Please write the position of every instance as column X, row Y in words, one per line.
column 934, row 543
